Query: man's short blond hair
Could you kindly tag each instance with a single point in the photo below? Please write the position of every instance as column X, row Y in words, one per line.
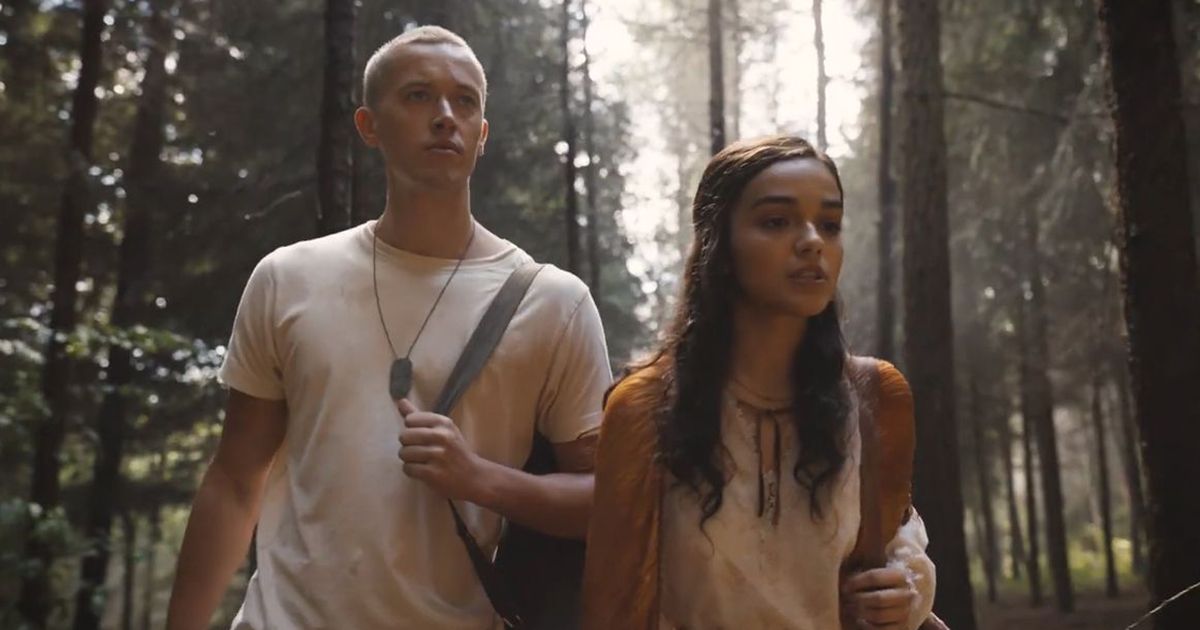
column 374, row 81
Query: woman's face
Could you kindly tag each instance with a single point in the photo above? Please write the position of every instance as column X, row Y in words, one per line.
column 785, row 237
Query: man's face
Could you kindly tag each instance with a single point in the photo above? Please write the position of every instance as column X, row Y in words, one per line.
column 428, row 120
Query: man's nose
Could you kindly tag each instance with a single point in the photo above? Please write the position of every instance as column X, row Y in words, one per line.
column 443, row 119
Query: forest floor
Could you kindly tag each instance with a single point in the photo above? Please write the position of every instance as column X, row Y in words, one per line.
column 1093, row 611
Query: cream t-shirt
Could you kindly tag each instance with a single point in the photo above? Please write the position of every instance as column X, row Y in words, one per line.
column 345, row 539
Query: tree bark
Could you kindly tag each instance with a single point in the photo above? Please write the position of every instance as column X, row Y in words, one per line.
column 36, row 597
column 984, row 477
column 1133, row 469
column 1042, row 410
column 335, row 170
column 822, row 79
column 133, row 266
column 737, row 39
column 1017, row 543
column 716, row 79
column 928, row 348
column 129, row 527
column 1162, row 292
column 1110, row 566
column 885, row 300
column 1033, row 560
column 570, row 196
column 589, row 174
column 150, row 581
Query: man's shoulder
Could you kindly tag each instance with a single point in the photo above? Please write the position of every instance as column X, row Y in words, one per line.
column 560, row 285
column 303, row 255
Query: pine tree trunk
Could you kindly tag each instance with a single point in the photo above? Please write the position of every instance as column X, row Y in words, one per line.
column 1033, row 560
column 1162, row 292
column 570, row 196
column 716, row 79
column 37, row 598
column 589, row 174
column 984, row 477
column 885, row 300
column 129, row 527
column 335, row 162
column 928, row 348
column 1133, row 470
column 1042, row 408
column 150, row 581
column 133, row 266
column 1110, row 566
column 737, row 38
column 1017, row 544
column 822, row 79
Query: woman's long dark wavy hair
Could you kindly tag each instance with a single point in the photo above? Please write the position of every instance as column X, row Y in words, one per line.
column 697, row 351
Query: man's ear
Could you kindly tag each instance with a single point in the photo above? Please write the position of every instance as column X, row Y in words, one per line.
column 483, row 136
column 364, row 122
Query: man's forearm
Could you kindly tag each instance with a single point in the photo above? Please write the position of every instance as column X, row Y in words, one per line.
column 557, row 504
column 214, row 546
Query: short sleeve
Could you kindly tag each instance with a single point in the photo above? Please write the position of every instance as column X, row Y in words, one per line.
column 907, row 552
column 579, row 375
column 252, row 364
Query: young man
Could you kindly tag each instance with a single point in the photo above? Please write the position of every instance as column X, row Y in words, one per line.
column 349, row 536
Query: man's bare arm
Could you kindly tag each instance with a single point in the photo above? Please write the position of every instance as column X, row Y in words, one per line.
column 225, row 509
column 559, row 504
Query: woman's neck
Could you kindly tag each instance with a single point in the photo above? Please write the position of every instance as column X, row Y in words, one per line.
column 764, row 346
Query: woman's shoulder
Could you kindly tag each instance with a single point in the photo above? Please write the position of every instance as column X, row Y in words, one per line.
column 639, row 387
column 894, row 394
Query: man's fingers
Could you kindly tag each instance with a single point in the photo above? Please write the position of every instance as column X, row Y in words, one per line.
column 406, row 407
column 420, row 454
column 420, row 472
column 424, row 419
column 423, row 436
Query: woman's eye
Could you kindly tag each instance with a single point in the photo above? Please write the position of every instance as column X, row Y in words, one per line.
column 832, row 227
column 774, row 223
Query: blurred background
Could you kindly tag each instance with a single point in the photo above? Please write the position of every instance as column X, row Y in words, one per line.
column 151, row 152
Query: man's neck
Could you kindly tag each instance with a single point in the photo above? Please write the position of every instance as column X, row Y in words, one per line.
column 434, row 223
column 764, row 344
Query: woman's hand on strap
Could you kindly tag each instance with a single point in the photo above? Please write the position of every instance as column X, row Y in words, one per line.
column 879, row 599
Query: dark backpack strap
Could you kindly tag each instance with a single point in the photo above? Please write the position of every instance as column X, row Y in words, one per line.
column 474, row 356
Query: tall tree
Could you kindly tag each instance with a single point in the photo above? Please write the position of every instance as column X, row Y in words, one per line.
column 716, row 77
column 36, row 597
column 570, row 177
column 885, row 301
column 335, row 149
column 129, row 546
column 1132, row 468
column 822, row 78
column 589, row 146
column 1162, row 295
column 1033, row 559
column 984, row 477
column 1041, row 406
column 129, row 309
column 1098, row 431
column 1016, row 540
column 928, row 348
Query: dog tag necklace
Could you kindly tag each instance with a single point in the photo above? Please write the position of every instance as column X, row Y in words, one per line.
column 401, row 374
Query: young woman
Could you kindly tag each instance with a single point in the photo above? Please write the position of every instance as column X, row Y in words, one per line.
column 728, row 471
